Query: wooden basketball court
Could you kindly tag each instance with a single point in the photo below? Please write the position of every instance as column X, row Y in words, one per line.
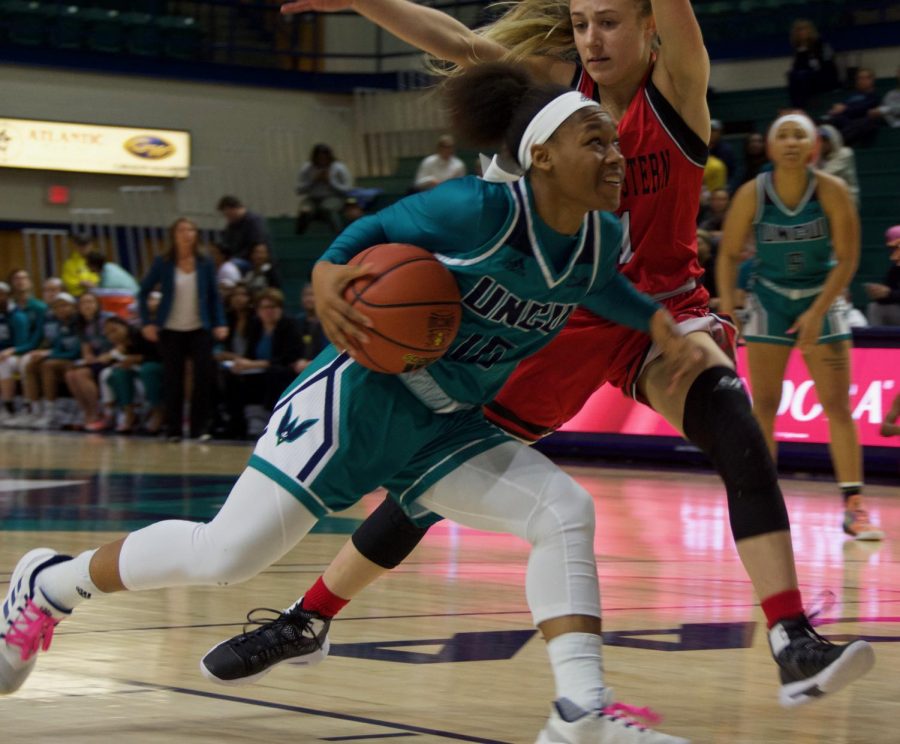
column 443, row 648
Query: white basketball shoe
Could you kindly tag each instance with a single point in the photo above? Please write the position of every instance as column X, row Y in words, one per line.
column 616, row 723
column 28, row 619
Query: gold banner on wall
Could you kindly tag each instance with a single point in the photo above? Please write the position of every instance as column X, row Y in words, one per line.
column 94, row 148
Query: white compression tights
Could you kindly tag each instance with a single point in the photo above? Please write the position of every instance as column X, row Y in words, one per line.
column 258, row 524
column 515, row 489
column 510, row 488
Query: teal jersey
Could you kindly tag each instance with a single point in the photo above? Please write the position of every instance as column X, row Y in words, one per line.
column 519, row 280
column 793, row 246
column 33, row 312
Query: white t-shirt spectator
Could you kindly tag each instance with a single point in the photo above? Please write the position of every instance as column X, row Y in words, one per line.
column 434, row 170
column 228, row 274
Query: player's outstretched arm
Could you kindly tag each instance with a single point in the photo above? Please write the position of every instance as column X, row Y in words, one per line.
column 425, row 28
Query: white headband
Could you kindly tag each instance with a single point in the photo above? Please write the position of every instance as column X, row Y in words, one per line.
column 538, row 131
column 801, row 120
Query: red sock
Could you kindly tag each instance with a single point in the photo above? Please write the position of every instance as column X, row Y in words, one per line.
column 321, row 599
column 782, row 606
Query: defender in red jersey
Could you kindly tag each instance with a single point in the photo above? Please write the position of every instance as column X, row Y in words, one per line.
column 644, row 60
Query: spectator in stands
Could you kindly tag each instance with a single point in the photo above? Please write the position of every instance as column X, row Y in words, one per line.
column 724, row 152
column 76, row 274
column 13, row 329
column 813, row 70
column 262, row 273
column 852, row 117
column 715, row 176
column 755, row 157
column 83, row 377
column 884, row 308
column 274, row 350
column 229, row 271
column 243, row 230
column 707, row 259
column 31, row 315
column 889, row 110
column 112, row 276
column 838, row 160
column 190, row 315
column 714, row 215
column 889, row 427
column 53, row 285
column 239, row 315
column 310, row 328
column 45, row 368
column 134, row 359
column 323, row 185
column 440, row 166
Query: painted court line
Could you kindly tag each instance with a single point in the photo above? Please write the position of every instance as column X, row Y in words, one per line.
column 313, row 712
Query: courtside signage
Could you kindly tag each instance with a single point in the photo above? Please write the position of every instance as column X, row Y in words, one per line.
column 94, row 148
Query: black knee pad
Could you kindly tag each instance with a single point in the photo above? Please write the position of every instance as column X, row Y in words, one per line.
column 718, row 418
column 387, row 536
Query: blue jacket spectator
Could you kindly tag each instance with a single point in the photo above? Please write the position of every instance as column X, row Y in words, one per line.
column 162, row 273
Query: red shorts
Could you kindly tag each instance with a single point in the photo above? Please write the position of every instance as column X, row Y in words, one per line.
column 550, row 387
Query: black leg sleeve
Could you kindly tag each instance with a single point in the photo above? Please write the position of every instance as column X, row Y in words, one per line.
column 718, row 418
column 388, row 536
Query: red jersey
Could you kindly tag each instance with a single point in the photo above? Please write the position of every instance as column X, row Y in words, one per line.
column 661, row 192
column 660, row 202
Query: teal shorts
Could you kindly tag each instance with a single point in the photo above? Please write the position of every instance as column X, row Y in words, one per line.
column 769, row 314
column 340, row 431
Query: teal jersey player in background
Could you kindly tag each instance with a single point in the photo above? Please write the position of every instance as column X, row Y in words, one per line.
column 807, row 249
column 342, row 430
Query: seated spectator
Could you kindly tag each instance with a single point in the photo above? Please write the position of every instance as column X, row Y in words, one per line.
column 852, row 116
column 884, row 308
column 37, row 327
column 440, row 166
column 724, row 152
column 76, row 274
column 262, row 274
column 714, row 215
column 229, row 270
column 323, row 185
column 889, row 110
column 53, row 285
column 136, row 365
column 813, row 70
column 310, row 328
column 13, row 330
column 243, row 230
column 112, row 276
column 889, row 426
column 239, row 316
column 45, row 368
column 83, row 377
column 274, row 348
column 755, row 156
column 838, row 160
column 715, row 175
column 707, row 261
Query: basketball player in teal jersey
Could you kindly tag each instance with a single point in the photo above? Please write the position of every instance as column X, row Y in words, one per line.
column 807, row 249
column 524, row 255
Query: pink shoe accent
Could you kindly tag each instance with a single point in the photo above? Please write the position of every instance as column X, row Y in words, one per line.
column 631, row 714
column 32, row 630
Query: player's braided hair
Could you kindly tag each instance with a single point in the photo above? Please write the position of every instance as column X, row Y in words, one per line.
column 492, row 104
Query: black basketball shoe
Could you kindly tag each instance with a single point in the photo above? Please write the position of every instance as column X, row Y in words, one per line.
column 812, row 666
column 296, row 635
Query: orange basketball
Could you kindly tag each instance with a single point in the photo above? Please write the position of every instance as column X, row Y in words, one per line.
column 413, row 302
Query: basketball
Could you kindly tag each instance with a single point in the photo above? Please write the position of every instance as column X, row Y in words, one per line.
column 413, row 303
